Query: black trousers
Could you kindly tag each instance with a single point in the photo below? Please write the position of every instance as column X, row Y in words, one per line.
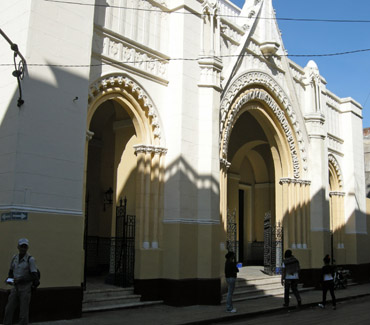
column 328, row 285
column 291, row 284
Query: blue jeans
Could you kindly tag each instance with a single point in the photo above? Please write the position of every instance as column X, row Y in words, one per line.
column 230, row 291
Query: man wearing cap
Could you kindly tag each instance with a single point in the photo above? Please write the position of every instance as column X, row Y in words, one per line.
column 23, row 270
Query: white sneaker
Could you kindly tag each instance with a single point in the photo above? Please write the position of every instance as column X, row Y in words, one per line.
column 321, row 306
column 231, row 311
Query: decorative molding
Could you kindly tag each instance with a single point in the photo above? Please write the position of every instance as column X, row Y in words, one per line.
column 334, row 162
column 142, row 148
column 130, row 54
column 210, row 72
column 287, row 180
column 191, row 221
column 334, row 143
column 25, row 208
column 227, row 114
column 89, row 135
column 225, row 163
column 262, row 95
column 336, row 193
column 124, row 83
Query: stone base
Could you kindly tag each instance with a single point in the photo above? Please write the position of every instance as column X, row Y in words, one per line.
column 180, row 292
column 49, row 304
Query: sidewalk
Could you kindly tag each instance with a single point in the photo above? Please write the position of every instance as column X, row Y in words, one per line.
column 167, row 315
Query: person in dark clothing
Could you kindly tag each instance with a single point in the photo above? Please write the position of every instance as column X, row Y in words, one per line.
column 230, row 274
column 327, row 281
column 290, row 277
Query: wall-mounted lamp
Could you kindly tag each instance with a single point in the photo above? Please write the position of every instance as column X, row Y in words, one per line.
column 19, row 67
column 108, row 197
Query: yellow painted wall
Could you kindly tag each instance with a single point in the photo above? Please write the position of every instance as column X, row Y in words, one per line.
column 56, row 242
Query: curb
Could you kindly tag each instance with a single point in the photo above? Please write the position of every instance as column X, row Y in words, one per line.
column 267, row 311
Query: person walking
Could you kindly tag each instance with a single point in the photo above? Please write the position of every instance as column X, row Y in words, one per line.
column 230, row 274
column 327, row 282
column 290, row 277
column 22, row 275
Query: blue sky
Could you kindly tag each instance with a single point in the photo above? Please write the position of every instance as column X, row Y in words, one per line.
column 346, row 75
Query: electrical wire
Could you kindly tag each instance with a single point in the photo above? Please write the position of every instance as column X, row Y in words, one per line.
column 187, row 59
column 219, row 15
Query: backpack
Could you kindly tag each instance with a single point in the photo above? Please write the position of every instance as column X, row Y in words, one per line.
column 35, row 282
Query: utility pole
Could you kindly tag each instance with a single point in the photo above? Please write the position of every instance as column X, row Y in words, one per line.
column 19, row 68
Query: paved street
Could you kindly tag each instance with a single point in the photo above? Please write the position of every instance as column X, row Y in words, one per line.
column 353, row 308
column 354, row 311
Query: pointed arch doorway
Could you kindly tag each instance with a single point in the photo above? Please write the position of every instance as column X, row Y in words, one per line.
column 110, row 182
column 263, row 156
column 124, row 161
column 250, row 186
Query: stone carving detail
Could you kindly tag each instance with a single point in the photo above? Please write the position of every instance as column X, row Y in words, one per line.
column 125, row 53
column 333, row 161
column 228, row 113
column 287, row 180
column 125, row 83
column 228, row 31
column 297, row 74
column 142, row 148
column 225, row 163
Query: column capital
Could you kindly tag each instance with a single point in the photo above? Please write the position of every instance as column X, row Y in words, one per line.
column 89, row 135
column 142, row 148
column 337, row 193
column 225, row 163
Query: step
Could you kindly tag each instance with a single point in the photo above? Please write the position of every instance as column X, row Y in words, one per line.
column 88, row 309
column 249, row 287
column 106, row 293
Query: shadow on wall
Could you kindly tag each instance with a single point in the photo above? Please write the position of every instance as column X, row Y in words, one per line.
column 42, row 151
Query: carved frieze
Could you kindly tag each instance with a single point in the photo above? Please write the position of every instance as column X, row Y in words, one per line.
column 121, row 50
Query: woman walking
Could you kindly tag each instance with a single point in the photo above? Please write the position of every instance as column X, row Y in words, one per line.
column 327, row 278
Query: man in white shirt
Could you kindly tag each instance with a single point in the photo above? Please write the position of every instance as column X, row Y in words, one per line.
column 23, row 271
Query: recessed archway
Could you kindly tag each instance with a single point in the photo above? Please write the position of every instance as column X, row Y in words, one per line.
column 262, row 163
column 124, row 154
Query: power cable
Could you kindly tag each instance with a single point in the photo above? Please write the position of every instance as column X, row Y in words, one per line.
column 220, row 15
column 188, row 59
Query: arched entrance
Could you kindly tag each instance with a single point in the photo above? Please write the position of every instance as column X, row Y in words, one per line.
column 251, row 188
column 262, row 161
column 336, row 205
column 124, row 163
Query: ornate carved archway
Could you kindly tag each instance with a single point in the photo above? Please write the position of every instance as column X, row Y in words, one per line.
column 259, row 91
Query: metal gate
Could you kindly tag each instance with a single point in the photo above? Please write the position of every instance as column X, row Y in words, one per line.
column 232, row 245
column 273, row 246
column 124, row 247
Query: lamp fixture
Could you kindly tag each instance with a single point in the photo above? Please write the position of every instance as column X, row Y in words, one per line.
column 108, row 197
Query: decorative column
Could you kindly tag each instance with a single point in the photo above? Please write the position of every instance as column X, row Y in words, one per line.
column 337, row 215
column 224, row 164
column 296, row 222
column 140, row 153
column 305, row 213
column 149, row 193
column 155, row 196
column 157, row 193
column 286, row 199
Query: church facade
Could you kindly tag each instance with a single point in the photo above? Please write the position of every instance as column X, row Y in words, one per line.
column 155, row 136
